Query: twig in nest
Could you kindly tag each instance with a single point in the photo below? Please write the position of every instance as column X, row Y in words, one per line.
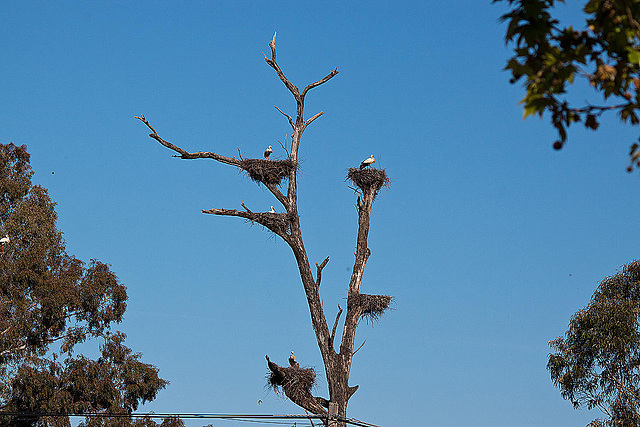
column 284, row 146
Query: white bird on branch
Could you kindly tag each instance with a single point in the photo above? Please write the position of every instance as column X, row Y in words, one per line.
column 367, row 162
column 272, row 210
column 268, row 152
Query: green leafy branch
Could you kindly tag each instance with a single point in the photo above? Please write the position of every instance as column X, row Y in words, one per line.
column 549, row 57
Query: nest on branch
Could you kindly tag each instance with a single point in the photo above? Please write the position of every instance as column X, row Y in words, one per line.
column 372, row 306
column 369, row 178
column 296, row 383
column 268, row 171
column 274, row 221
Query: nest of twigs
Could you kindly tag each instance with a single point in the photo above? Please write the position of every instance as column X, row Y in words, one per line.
column 267, row 171
column 295, row 382
column 369, row 178
column 372, row 306
column 274, row 221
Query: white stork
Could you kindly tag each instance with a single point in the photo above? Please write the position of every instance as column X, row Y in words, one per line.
column 292, row 361
column 268, row 152
column 4, row 241
column 272, row 210
column 367, row 162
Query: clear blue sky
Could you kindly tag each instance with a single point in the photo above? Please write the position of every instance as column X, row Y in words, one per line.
column 488, row 239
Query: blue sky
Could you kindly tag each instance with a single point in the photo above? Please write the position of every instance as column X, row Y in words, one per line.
column 488, row 239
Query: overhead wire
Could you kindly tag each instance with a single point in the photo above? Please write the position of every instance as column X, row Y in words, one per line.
column 265, row 418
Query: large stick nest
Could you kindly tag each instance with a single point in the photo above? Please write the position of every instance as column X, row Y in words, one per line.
column 372, row 306
column 278, row 223
column 369, row 178
column 268, row 171
column 296, row 383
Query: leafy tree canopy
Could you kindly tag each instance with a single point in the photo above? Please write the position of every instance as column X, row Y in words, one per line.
column 49, row 303
column 605, row 52
column 597, row 362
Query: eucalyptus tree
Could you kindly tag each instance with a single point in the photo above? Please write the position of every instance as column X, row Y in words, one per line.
column 50, row 302
column 597, row 362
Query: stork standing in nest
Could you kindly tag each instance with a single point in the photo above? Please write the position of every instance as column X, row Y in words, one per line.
column 268, row 152
column 367, row 162
column 292, row 361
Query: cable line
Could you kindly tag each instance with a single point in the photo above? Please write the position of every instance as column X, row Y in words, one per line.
column 232, row 417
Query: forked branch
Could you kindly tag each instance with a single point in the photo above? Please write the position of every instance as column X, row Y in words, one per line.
column 293, row 88
column 319, row 271
column 321, row 81
column 272, row 62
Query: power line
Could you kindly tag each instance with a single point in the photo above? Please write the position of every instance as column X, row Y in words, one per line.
column 231, row 417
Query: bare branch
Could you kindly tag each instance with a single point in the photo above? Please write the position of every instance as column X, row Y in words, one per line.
column 272, row 62
column 354, row 353
column 335, row 325
column 308, row 122
column 185, row 154
column 320, row 267
column 277, row 223
column 229, row 212
column 287, row 116
column 278, row 194
column 245, row 208
column 272, row 45
column 284, row 146
column 352, row 390
column 321, row 81
column 597, row 109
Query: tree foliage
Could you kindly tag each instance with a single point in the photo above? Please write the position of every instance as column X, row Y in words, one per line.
column 597, row 363
column 549, row 57
column 49, row 303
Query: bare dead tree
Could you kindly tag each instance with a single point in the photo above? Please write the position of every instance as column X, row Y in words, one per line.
column 294, row 381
